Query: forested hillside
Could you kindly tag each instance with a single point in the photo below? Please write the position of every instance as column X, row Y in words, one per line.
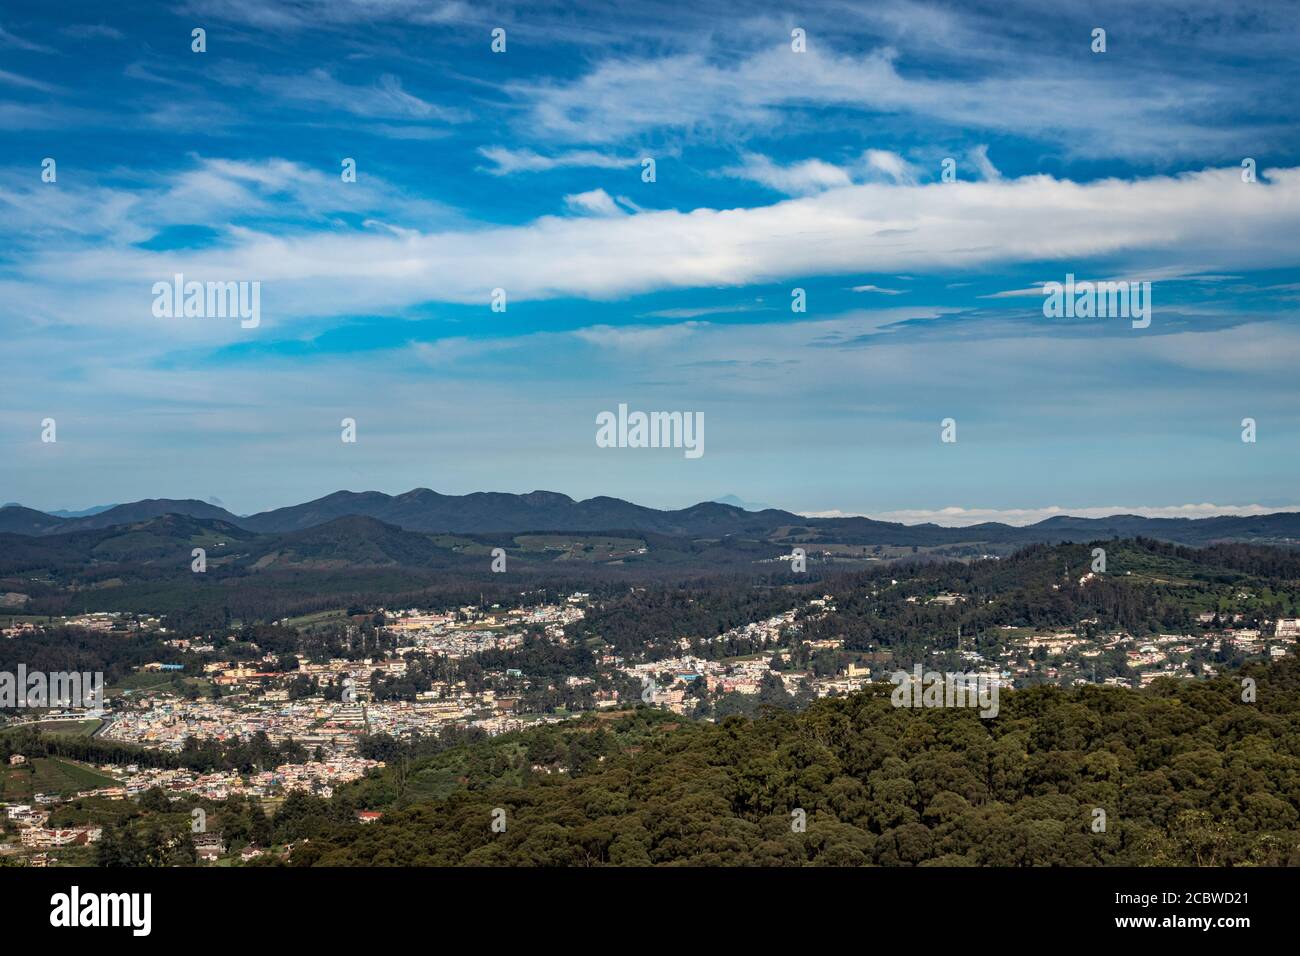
column 1185, row 773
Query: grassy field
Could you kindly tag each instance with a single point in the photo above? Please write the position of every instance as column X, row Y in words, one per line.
column 142, row 680
column 173, row 681
column 49, row 775
column 307, row 621
column 583, row 548
column 462, row 545
column 71, row 728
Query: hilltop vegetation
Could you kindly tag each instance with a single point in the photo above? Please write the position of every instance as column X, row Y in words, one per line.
column 1149, row 587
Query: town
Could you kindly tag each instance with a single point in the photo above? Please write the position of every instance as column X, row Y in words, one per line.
column 424, row 670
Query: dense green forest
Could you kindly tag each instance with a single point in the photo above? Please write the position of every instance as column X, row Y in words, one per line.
column 203, row 754
column 1185, row 773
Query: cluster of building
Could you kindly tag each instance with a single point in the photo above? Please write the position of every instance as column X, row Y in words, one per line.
column 746, row 674
column 319, row 777
column 46, row 838
column 165, row 722
column 34, row 834
column 1071, row 656
column 100, row 621
column 772, row 630
column 471, row 630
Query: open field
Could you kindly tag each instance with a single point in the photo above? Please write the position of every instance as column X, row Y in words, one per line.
column 71, row 728
column 49, row 775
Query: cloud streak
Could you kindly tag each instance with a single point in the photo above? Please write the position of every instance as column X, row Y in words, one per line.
column 1158, row 222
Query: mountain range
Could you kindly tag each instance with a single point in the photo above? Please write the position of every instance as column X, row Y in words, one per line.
column 426, row 511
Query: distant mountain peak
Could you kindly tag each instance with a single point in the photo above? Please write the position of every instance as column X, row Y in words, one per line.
column 547, row 498
column 737, row 502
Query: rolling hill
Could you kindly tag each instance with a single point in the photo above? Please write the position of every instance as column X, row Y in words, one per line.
column 425, row 511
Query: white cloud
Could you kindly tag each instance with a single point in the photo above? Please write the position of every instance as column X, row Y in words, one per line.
column 637, row 339
column 458, row 349
column 13, row 40
column 23, row 82
column 979, row 155
column 629, row 96
column 506, row 161
column 872, row 228
column 594, row 202
column 809, row 176
column 93, row 31
column 1025, row 293
column 218, row 191
column 1253, row 345
column 797, row 179
column 955, row 517
column 694, row 313
column 890, row 164
column 384, row 99
column 312, row 14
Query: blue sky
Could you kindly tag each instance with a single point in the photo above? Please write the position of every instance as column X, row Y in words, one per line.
column 775, row 170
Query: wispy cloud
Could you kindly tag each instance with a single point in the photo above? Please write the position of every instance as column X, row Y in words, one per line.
column 92, row 31
column 979, row 155
column 889, row 164
column 506, row 161
column 313, row 14
column 699, row 311
column 631, row 96
column 384, row 99
column 19, row 43
column 594, row 202
column 26, row 83
column 795, row 179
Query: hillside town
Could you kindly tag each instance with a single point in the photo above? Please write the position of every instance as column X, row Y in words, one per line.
column 326, row 708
